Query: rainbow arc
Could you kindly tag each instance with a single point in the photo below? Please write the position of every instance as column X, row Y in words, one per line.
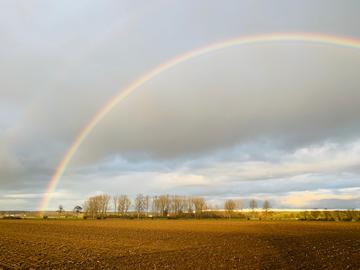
column 127, row 90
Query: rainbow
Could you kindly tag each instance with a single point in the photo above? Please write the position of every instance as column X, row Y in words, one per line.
column 126, row 91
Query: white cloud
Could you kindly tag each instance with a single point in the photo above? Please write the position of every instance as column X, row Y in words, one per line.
column 305, row 199
column 179, row 180
column 316, row 159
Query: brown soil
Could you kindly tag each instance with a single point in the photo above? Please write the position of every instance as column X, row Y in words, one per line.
column 193, row 244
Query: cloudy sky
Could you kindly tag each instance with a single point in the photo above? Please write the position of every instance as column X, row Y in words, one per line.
column 277, row 121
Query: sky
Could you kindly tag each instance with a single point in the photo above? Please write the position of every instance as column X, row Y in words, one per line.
column 276, row 121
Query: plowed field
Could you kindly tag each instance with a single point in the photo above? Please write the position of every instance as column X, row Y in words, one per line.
column 177, row 244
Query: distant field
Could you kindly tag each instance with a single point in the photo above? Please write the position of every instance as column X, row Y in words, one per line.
column 178, row 244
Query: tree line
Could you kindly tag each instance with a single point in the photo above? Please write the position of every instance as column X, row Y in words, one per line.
column 160, row 206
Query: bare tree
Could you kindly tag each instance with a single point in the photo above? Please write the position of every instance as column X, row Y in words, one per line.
column 97, row 206
column 239, row 204
column 123, row 204
column 139, row 204
column 189, row 205
column 253, row 204
column 178, row 204
column 104, row 204
column 229, row 207
column 199, row 205
column 147, row 202
column 60, row 209
column 162, row 204
column 155, row 205
column 115, row 201
column 92, row 207
column 266, row 206
column 165, row 205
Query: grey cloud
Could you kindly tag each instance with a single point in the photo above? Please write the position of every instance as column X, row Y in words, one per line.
column 238, row 96
column 60, row 62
